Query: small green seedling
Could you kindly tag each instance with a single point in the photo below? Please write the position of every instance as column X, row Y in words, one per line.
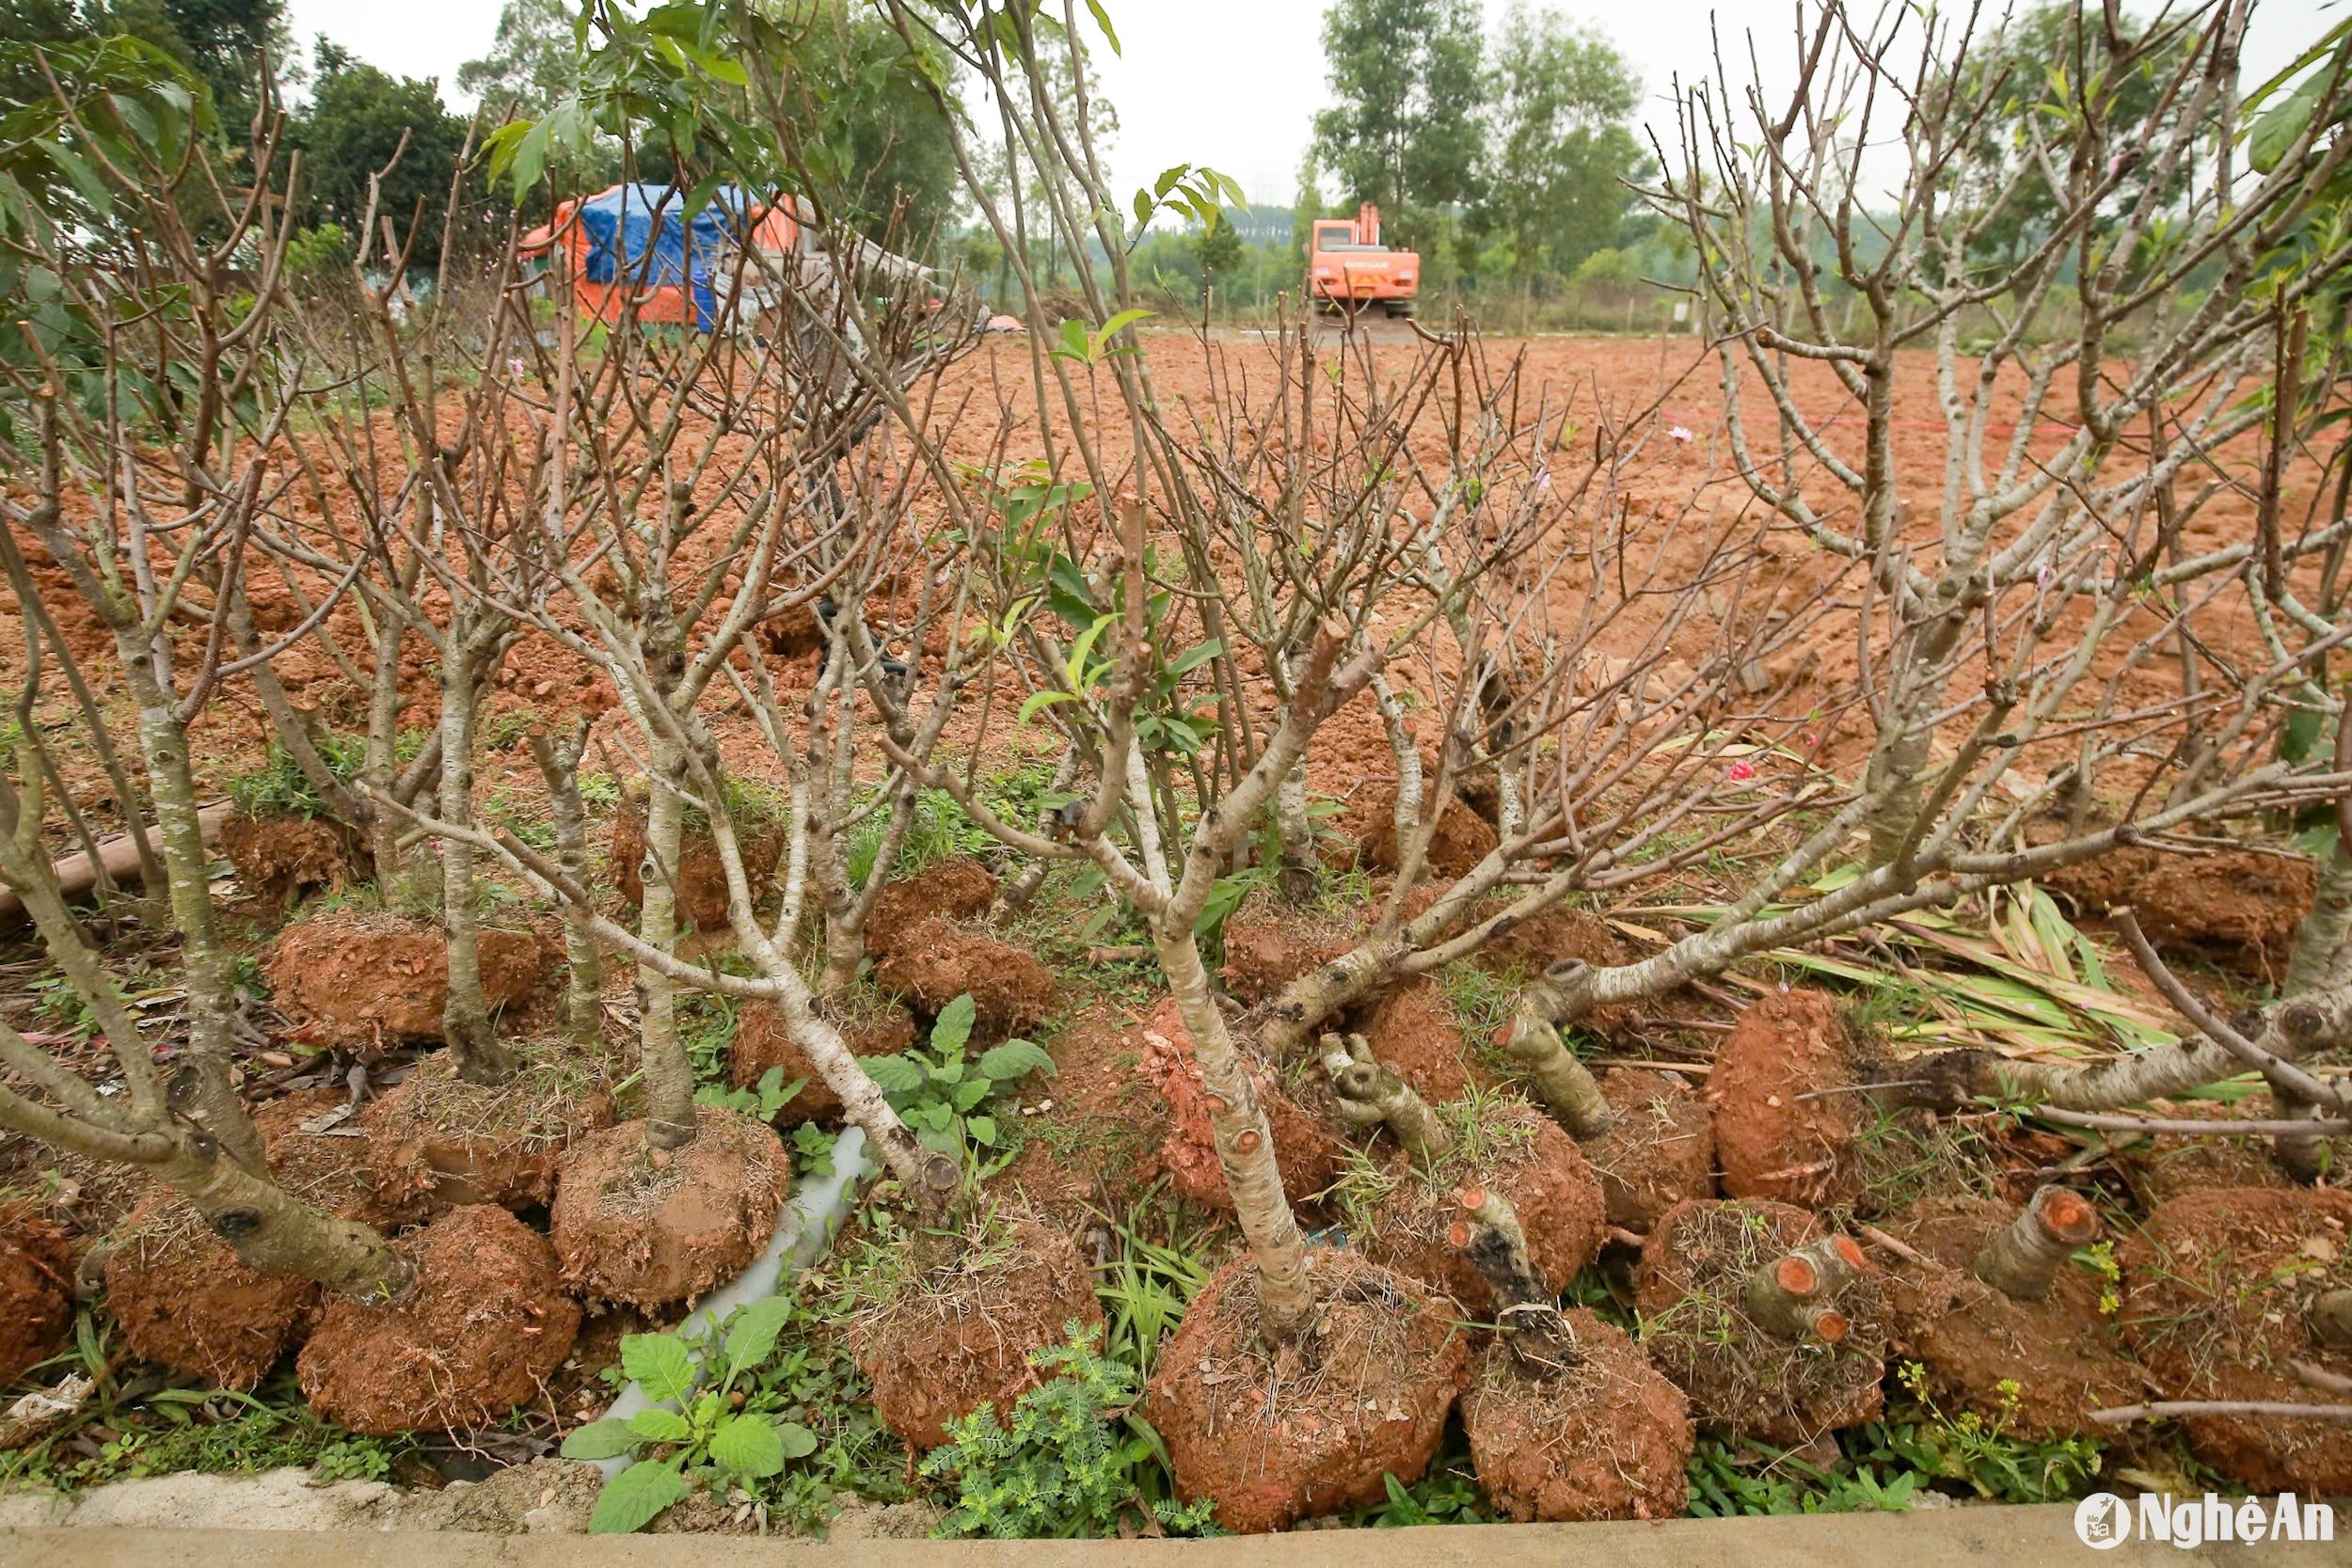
column 944, row 1095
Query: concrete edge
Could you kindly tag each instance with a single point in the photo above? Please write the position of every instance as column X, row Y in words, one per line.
column 2004, row 1536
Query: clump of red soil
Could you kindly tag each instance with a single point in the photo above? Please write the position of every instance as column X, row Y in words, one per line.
column 438, row 1142
column 2238, row 905
column 870, row 1025
column 1534, row 944
column 947, row 1343
column 959, row 888
column 1606, row 1438
column 278, row 857
column 2167, row 1165
column 1414, row 1033
column 1661, row 1152
column 2060, row 1354
column 312, row 1156
column 1419, row 1228
column 938, row 961
column 1308, row 1149
column 36, row 1288
column 1097, row 1134
column 2219, row 1290
column 1786, row 1103
column 1269, row 944
column 1276, row 1433
column 649, row 1226
column 483, row 1326
column 1462, row 840
column 700, row 877
column 182, row 1296
column 372, row 979
column 1691, row 1290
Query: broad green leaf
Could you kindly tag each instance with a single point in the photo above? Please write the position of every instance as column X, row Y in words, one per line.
column 1038, row 701
column 659, row 1364
column 748, row 1445
column 752, row 1333
column 954, row 1027
column 799, row 1442
column 600, row 1440
column 970, row 1093
column 630, row 1499
column 661, row 1424
column 982, row 1131
column 1112, row 327
column 1015, row 1059
column 895, row 1073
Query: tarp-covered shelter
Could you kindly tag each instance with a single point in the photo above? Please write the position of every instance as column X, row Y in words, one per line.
column 638, row 243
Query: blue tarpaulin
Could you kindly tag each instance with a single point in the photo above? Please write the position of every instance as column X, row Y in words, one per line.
column 623, row 247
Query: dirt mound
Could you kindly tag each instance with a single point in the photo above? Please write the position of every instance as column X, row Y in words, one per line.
column 1418, row 1227
column 1308, row 1149
column 436, row 1142
column 959, row 888
column 1274, row 1435
column 1661, row 1152
column 1414, row 1033
column 1786, row 1116
column 1096, row 1140
column 478, row 1333
column 949, row 1342
column 650, row 1227
column 1462, row 840
column 2167, row 1165
column 2219, row 1288
column 370, row 980
column 2059, row 1357
column 938, row 960
column 278, row 857
column 1533, row 944
column 180, row 1294
column 181, row 1297
column 1268, row 944
column 2244, row 903
column 36, row 1288
column 700, row 877
column 1691, row 1290
column 1607, row 1438
column 872, row 1025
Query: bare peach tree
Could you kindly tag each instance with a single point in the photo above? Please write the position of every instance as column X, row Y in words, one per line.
column 149, row 412
column 2005, row 626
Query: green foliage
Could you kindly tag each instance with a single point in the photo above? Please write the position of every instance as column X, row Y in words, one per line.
column 937, row 830
column 1564, row 156
column 1074, row 1461
column 761, row 1102
column 712, row 1436
column 1980, row 1452
column 175, row 1431
column 1150, row 1284
column 1402, row 130
column 358, row 116
column 1739, row 1475
column 1447, row 1495
column 947, row 1098
column 279, row 787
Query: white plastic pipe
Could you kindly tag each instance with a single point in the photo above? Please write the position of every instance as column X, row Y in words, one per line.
column 807, row 1227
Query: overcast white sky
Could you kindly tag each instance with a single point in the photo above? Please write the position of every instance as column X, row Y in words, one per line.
column 1235, row 84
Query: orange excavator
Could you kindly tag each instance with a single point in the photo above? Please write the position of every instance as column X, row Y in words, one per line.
column 1349, row 269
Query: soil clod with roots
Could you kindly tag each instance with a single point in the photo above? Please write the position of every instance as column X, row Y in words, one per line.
column 1418, row 1224
column 278, row 857
column 1789, row 1090
column 366, row 979
column 947, row 1342
column 1268, row 944
column 1693, row 1292
column 646, row 1226
column 442, row 1142
column 938, row 960
column 2038, row 1366
column 1306, row 1148
column 2226, row 1294
column 958, row 888
column 870, row 1025
column 36, row 1288
column 1604, row 1437
column 1273, row 1434
column 483, row 1325
column 1659, row 1152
